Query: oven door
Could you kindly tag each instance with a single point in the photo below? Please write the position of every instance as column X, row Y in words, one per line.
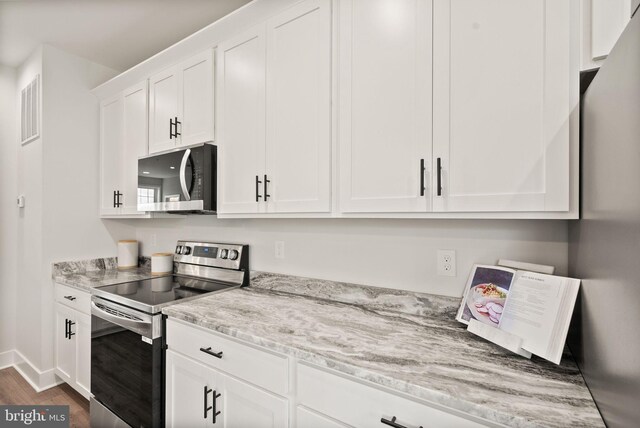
column 181, row 180
column 126, row 363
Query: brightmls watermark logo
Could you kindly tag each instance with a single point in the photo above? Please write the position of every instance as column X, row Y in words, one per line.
column 34, row 416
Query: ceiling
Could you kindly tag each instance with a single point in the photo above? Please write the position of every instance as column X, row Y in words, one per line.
column 114, row 33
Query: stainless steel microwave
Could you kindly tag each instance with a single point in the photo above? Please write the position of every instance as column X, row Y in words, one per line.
column 182, row 180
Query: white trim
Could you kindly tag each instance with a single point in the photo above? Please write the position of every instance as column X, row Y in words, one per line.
column 39, row 380
column 7, row 359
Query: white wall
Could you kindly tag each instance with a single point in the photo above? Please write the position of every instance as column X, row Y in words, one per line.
column 8, row 209
column 381, row 252
column 58, row 175
column 29, row 263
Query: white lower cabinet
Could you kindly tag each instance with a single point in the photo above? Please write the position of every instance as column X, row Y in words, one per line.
column 360, row 405
column 198, row 395
column 73, row 338
column 202, row 365
column 309, row 419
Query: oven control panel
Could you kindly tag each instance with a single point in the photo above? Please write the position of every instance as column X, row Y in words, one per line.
column 229, row 256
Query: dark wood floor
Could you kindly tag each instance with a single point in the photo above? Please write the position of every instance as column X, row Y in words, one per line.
column 15, row 390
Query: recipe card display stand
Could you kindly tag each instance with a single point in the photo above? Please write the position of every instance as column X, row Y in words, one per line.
column 501, row 338
column 521, row 307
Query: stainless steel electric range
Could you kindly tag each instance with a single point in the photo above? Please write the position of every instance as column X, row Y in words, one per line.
column 127, row 331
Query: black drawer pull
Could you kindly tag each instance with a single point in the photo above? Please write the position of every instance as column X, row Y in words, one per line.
column 70, row 298
column 71, row 323
column 66, row 328
column 439, row 176
column 422, row 170
column 392, row 423
column 216, row 412
column 266, row 193
column 258, row 183
column 210, row 352
column 206, row 404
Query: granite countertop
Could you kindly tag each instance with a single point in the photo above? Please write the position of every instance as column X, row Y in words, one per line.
column 88, row 274
column 409, row 342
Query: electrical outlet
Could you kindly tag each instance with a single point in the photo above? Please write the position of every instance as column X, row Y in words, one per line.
column 446, row 262
column 154, row 241
column 279, row 249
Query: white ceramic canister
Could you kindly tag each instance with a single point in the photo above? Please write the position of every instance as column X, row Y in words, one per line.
column 127, row 254
column 161, row 263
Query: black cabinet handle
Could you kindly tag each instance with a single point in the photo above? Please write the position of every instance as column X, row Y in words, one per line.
column 116, row 199
column 216, row 412
column 392, row 423
column 70, row 298
column 210, row 352
column 422, row 189
column 66, row 328
column 206, row 398
column 439, row 176
column 266, row 194
column 71, row 323
column 258, row 183
column 175, row 124
column 170, row 128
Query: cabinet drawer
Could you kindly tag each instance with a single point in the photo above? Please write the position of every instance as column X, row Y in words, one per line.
column 359, row 405
column 74, row 298
column 262, row 368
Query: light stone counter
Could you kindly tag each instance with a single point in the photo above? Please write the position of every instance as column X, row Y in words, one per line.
column 88, row 274
column 409, row 342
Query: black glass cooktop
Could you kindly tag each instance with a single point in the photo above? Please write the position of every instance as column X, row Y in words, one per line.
column 151, row 295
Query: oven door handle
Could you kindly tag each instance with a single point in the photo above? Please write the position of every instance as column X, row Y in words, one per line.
column 183, row 169
column 142, row 327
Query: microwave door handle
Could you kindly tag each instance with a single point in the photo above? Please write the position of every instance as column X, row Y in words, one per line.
column 183, row 169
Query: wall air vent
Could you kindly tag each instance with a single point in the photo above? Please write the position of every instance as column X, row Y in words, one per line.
column 30, row 111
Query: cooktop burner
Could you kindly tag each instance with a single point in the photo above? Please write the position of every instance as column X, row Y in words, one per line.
column 151, row 295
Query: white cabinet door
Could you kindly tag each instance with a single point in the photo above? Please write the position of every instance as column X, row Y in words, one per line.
column 82, row 331
column 298, row 150
column 163, row 109
column 65, row 354
column 384, row 105
column 111, row 144
column 195, row 108
column 244, row 405
column 241, row 122
column 188, row 385
column 135, row 144
column 502, row 104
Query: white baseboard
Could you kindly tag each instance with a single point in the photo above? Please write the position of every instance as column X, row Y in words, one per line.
column 39, row 380
column 7, row 359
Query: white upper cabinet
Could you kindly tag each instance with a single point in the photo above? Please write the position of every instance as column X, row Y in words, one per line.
column 602, row 23
column 195, row 108
column 123, row 139
column 163, row 110
column 135, row 144
column 274, row 114
column 181, row 104
column 298, row 151
column 241, row 121
column 111, row 153
column 385, row 105
column 505, row 87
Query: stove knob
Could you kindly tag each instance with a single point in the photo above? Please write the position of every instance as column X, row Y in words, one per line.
column 179, row 249
column 233, row 254
column 186, row 250
column 224, row 253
